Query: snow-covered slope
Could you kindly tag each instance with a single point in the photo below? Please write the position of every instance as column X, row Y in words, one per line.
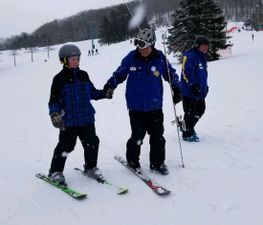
column 222, row 182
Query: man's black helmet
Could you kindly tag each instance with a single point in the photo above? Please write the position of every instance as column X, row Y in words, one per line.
column 200, row 40
column 67, row 51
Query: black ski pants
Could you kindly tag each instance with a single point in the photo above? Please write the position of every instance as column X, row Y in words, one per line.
column 67, row 142
column 152, row 123
column 193, row 111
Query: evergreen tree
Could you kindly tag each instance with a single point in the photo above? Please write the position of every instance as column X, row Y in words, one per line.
column 114, row 28
column 105, row 33
column 257, row 18
column 198, row 17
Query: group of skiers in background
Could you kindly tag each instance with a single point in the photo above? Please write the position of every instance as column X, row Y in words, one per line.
column 93, row 51
column 144, row 68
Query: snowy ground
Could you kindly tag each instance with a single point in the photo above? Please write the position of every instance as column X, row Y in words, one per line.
column 222, row 182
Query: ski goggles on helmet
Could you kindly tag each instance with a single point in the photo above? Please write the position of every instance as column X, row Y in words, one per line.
column 141, row 44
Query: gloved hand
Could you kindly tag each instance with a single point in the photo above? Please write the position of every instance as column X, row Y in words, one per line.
column 57, row 121
column 108, row 91
column 177, row 95
column 196, row 89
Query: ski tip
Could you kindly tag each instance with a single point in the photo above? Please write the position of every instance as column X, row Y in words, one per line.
column 40, row 175
column 80, row 196
column 78, row 169
column 163, row 192
column 117, row 157
column 122, row 191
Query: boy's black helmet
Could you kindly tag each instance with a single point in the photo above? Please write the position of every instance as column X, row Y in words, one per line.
column 200, row 40
column 67, row 51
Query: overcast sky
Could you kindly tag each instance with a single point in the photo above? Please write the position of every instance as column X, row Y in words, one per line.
column 17, row 16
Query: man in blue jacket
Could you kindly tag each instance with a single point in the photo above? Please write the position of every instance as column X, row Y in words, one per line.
column 194, row 86
column 144, row 69
column 71, row 111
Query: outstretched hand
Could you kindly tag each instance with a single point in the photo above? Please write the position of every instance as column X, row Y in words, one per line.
column 108, row 91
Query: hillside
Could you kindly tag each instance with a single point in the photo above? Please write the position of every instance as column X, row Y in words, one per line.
column 220, row 185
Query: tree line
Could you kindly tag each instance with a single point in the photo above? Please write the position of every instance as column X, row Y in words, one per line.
column 109, row 24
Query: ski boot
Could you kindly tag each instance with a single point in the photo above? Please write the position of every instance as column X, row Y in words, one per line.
column 58, row 177
column 135, row 166
column 94, row 173
column 192, row 138
column 162, row 169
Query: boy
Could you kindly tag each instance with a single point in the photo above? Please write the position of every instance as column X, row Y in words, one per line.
column 71, row 112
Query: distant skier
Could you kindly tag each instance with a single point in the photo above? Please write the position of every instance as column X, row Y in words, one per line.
column 71, row 111
column 89, row 53
column 194, row 85
column 144, row 69
column 253, row 37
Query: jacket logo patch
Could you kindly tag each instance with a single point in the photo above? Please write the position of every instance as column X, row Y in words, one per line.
column 156, row 73
column 201, row 66
column 133, row 68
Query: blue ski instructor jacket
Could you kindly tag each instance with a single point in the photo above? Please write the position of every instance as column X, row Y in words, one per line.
column 144, row 87
column 194, row 72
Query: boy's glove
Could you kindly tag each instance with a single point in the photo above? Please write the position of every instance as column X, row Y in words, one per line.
column 177, row 95
column 108, row 91
column 196, row 89
column 57, row 121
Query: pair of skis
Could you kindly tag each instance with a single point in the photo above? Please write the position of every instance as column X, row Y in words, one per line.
column 153, row 185
column 78, row 195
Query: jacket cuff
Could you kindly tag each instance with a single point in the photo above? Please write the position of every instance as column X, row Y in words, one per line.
column 54, row 108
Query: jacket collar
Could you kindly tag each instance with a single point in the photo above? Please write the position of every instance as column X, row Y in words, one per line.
column 71, row 70
column 154, row 54
column 201, row 54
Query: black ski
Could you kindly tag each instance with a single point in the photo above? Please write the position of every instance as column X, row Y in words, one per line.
column 102, row 180
column 157, row 188
column 71, row 192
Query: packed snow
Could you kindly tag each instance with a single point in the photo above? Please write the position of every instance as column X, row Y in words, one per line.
column 221, row 183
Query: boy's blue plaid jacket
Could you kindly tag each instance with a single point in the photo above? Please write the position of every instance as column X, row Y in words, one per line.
column 71, row 92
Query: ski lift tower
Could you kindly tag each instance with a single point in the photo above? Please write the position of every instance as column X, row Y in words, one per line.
column 92, row 32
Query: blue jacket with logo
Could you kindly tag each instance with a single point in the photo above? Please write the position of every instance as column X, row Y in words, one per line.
column 71, row 92
column 194, row 71
column 144, row 87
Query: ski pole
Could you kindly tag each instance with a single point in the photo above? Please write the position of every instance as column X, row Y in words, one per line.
column 171, row 90
column 132, row 15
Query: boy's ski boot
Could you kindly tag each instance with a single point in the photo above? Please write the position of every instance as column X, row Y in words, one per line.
column 94, row 173
column 58, row 177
